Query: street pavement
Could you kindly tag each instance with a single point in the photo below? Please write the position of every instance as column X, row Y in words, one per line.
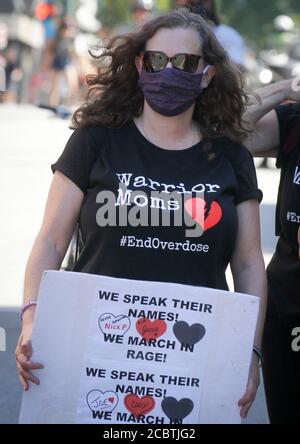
column 30, row 140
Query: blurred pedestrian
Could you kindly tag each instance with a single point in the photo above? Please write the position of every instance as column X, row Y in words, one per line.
column 12, row 75
column 230, row 38
column 141, row 12
column 62, row 56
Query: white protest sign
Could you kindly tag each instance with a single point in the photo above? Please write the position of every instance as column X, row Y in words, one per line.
column 126, row 351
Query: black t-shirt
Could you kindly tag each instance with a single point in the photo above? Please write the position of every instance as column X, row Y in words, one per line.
column 284, row 269
column 123, row 163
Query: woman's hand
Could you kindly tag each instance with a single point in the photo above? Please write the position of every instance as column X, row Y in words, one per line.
column 23, row 358
column 253, row 383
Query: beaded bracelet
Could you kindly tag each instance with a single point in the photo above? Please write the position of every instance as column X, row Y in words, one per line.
column 25, row 306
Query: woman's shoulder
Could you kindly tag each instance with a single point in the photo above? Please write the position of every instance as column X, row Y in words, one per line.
column 234, row 150
column 97, row 132
column 242, row 163
column 90, row 130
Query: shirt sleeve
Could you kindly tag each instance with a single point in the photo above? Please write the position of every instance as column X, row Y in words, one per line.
column 77, row 158
column 247, row 180
column 245, row 173
column 289, row 132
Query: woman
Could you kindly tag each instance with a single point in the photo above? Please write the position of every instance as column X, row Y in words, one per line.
column 164, row 116
column 277, row 134
column 62, row 63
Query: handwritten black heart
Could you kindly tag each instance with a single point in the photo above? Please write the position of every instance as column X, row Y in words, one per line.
column 177, row 410
column 188, row 335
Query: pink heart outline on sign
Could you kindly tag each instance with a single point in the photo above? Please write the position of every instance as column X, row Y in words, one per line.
column 101, row 401
column 118, row 325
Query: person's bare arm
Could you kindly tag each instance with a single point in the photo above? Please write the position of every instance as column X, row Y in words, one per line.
column 265, row 137
column 50, row 246
column 262, row 119
column 248, row 270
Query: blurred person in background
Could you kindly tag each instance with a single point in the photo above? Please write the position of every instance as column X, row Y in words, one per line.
column 229, row 38
column 12, row 74
column 141, row 12
column 61, row 57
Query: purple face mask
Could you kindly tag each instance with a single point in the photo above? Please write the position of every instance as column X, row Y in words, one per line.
column 171, row 92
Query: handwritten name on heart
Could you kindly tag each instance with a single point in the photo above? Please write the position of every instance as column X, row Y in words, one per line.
column 206, row 217
column 117, row 325
column 139, row 406
column 177, row 410
column 188, row 335
column 150, row 330
column 102, row 401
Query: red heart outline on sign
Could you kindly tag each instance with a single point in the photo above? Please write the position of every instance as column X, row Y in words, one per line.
column 150, row 330
column 196, row 208
column 139, row 406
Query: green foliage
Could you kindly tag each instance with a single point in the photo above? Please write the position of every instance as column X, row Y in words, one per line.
column 112, row 12
column 163, row 5
column 254, row 18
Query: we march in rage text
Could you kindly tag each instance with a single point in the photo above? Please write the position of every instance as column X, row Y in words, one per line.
column 132, row 435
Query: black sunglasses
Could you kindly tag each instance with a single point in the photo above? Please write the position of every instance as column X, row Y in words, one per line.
column 155, row 61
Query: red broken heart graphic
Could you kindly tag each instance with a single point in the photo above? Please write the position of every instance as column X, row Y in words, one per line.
column 196, row 208
column 150, row 330
column 139, row 406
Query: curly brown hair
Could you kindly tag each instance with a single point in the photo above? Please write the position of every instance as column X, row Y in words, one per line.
column 115, row 98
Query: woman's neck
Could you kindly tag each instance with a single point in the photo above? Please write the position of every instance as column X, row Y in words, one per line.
column 179, row 132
